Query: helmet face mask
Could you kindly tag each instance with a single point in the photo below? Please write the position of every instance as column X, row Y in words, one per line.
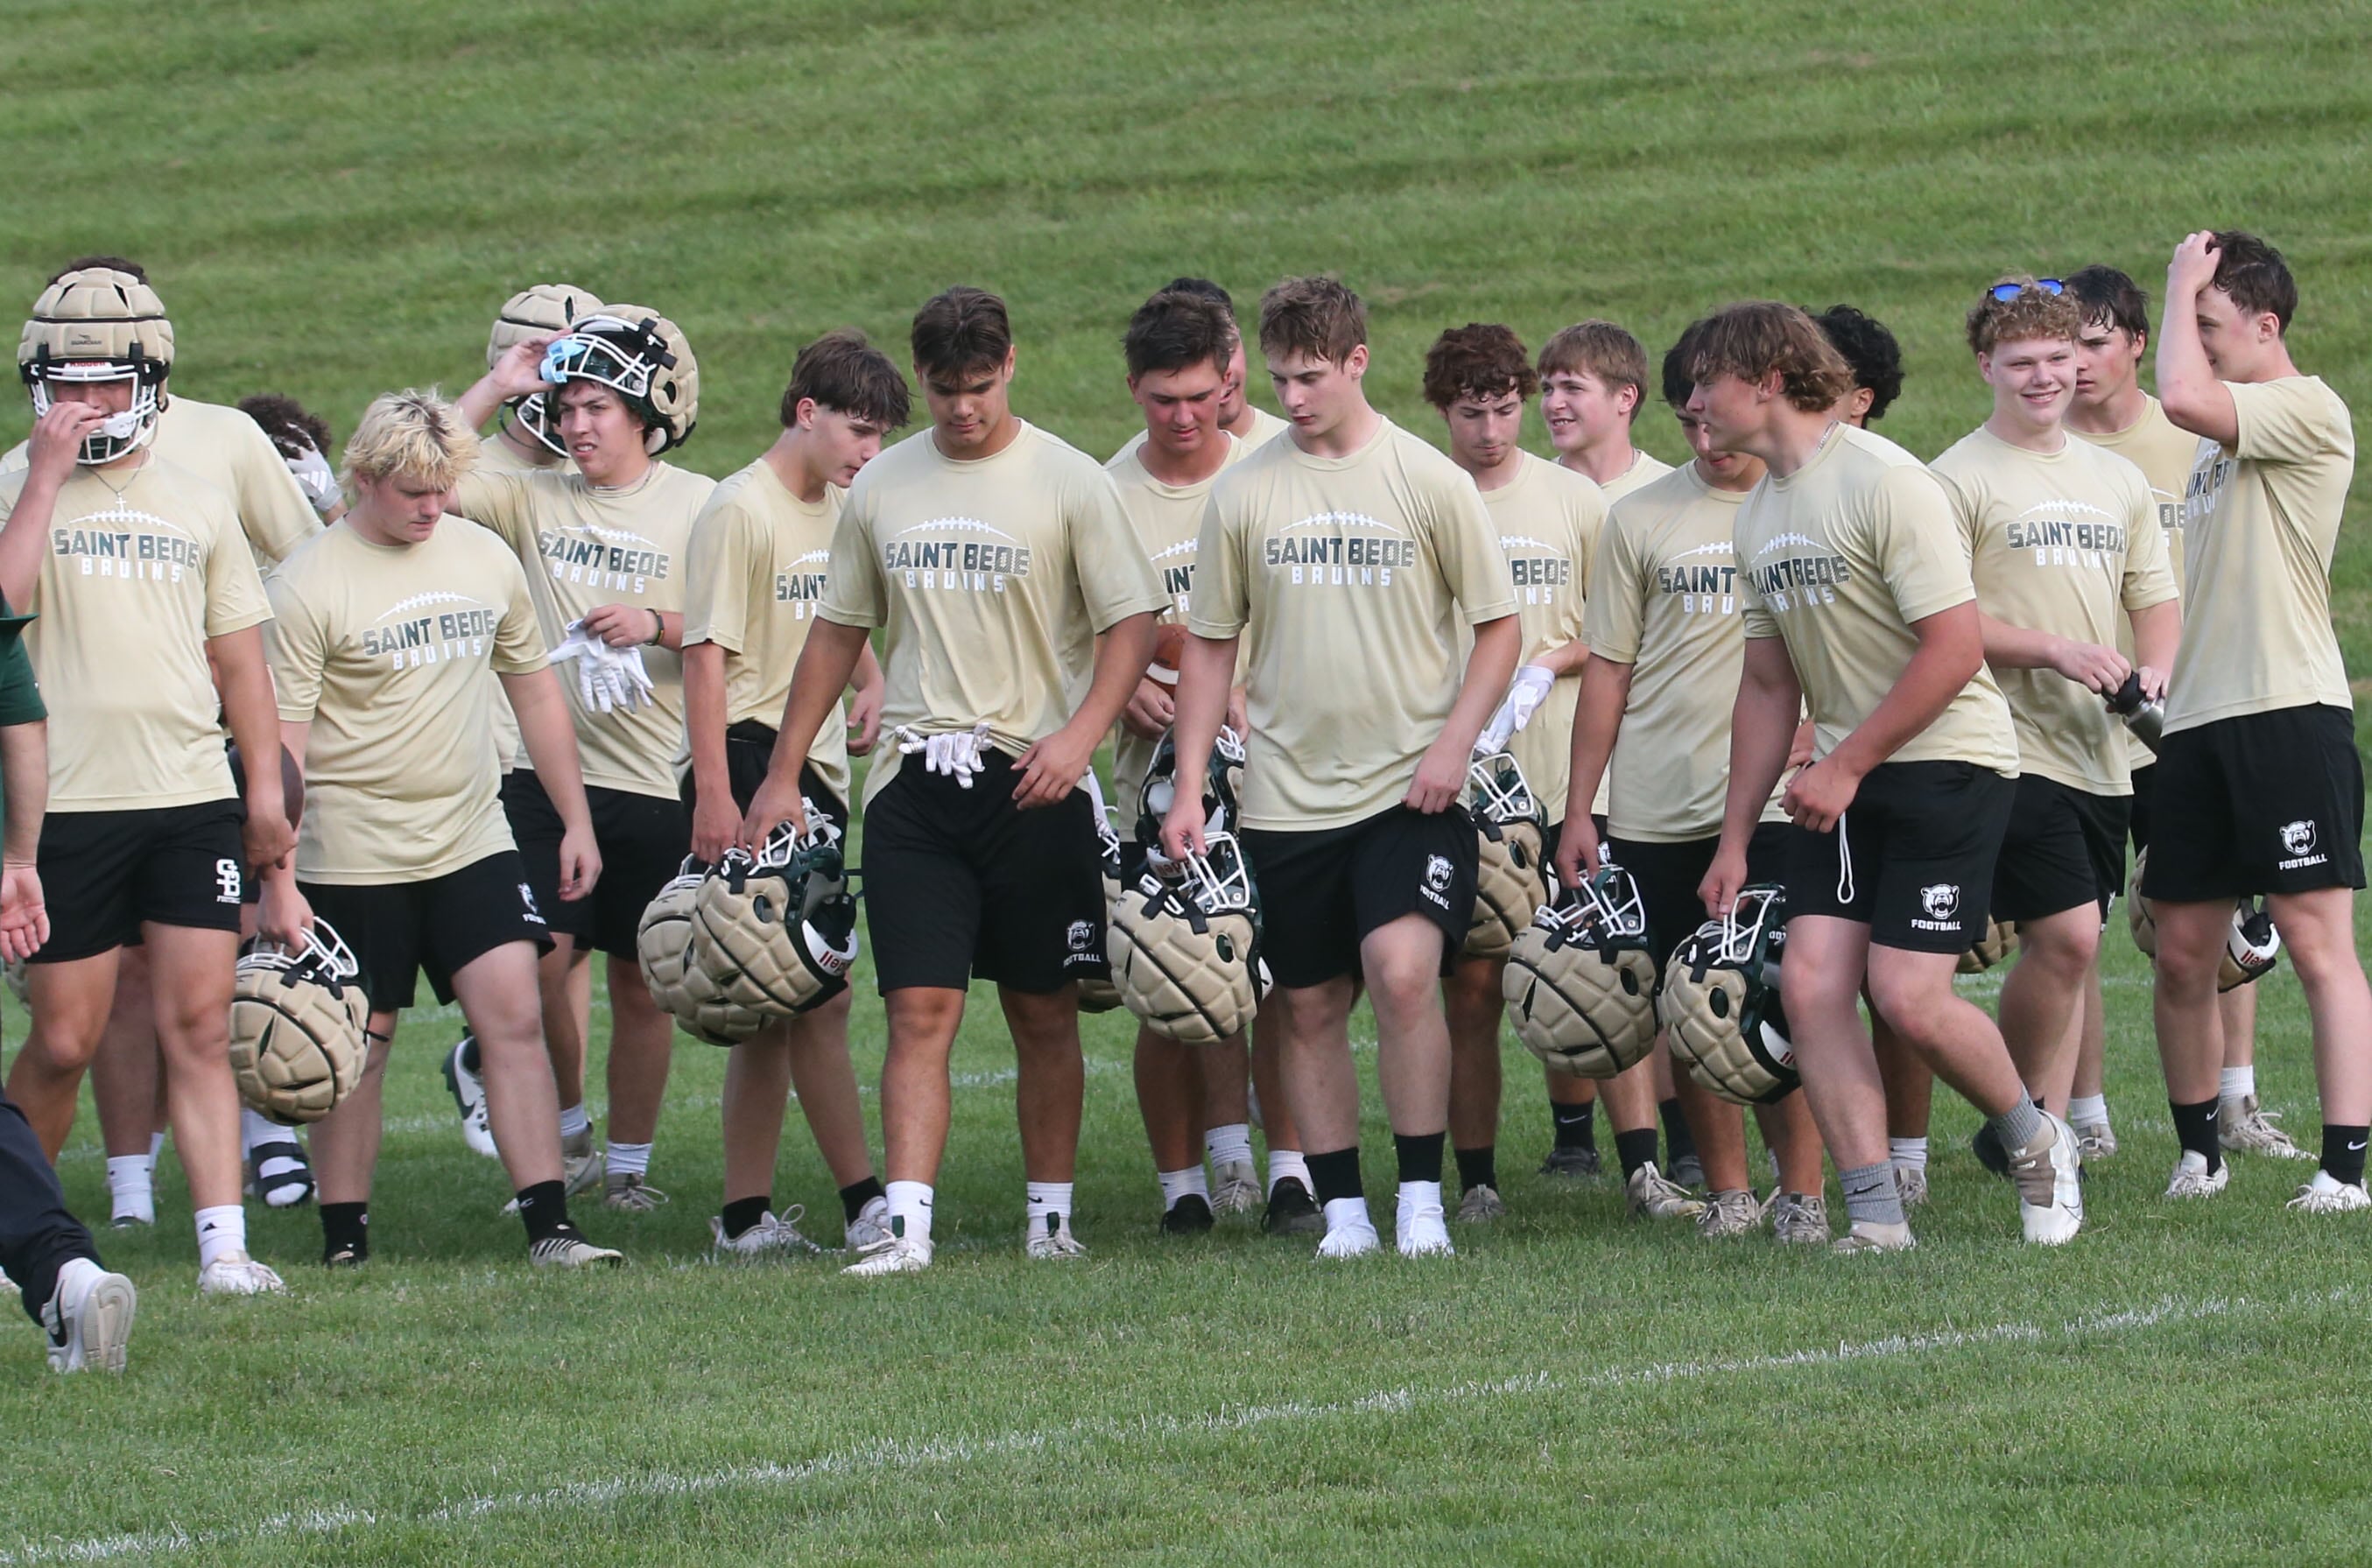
column 1580, row 984
column 99, row 325
column 776, row 933
column 1222, row 783
column 1184, row 946
column 1720, row 1004
column 534, row 312
column 1502, row 794
column 639, row 355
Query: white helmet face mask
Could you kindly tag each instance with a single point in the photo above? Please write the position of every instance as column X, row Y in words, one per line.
column 1501, row 791
column 118, row 434
column 1611, row 902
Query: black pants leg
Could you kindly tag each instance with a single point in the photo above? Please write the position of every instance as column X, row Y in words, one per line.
column 37, row 1235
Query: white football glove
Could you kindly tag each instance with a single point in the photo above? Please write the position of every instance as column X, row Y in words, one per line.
column 607, row 679
column 956, row 754
column 314, row 477
column 1525, row 695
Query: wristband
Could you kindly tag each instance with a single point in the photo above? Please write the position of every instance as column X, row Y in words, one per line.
column 658, row 629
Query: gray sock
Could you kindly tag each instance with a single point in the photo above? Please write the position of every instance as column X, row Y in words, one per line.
column 2019, row 1126
column 1870, row 1194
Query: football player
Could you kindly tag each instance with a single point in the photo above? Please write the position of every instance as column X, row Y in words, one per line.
column 2260, row 786
column 1858, row 600
column 1872, row 357
column 1665, row 642
column 1251, row 425
column 604, row 547
column 1546, row 519
column 992, row 556
column 759, row 552
column 2065, row 545
column 1348, row 558
column 150, row 604
column 387, row 629
column 1180, row 347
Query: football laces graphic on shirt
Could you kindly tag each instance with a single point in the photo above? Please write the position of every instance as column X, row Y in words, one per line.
column 959, row 525
column 119, row 511
column 422, row 600
column 1522, row 541
column 811, row 557
column 1183, row 547
column 1717, row 547
column 1783, row 541
column 1343, row 520
column 616, row 536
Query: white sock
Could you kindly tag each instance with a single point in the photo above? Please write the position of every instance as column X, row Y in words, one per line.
column 628, row 1159
column 1347, row 1213
column 573, row 1122
column 256, row 1129
column 1231, row 1145
column 1908, row 1154
column 2088, row 1110
column 1419, row 1195
column 2237, row 1083
column 910, row 1209
column 156, row 1146
column 221, row 1232
column 131, row 1189
column 1283, row 1163
column 1054, row 1198
column 1176, row 1184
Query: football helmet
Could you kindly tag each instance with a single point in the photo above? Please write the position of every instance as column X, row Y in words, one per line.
column 1512, row 880
column 1580, row 984
column 1185, row 948
column 534, row 312
column 2251, row 948
column 663, row 936
column 1720, row 1004
column 776, row 933
column 298, row 1027
column 642, row 356
column 97, row 324
column 1222, row 786
column 1097, row 993
column 1998, row 944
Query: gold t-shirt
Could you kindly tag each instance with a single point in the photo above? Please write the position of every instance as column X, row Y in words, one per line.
column 2260, row 521
column 1839, row 559
column 498, row 456
column 585, row 547
column 991, row 578
column 2066, row 542
column 391, row 652
column 1352, row 581
column 1646, row 469
column 1265, row 427
column 1663, row 599
column 1168, row 523
column 2165, row 452
column 142, row 568
column 758, row 561
column 1547, row 519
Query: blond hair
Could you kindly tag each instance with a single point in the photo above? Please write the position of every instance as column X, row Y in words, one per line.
column 414, row 433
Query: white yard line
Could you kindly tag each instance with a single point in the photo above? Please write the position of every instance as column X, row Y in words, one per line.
column 944, row 1453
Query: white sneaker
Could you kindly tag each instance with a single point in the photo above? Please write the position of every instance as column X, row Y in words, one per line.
column 1053, row 1240
column 8, row 1286
column 583, row 1162
column 1349, row 1240
column 238, row 1274
column 571, row 1251
column 628, row 1192
column 1911, row 1185
column 2095, row 1140
column 1734, row 1213
column 2243, row 1126
column 771, row 1234
column 869, row 1229
column 277, row 1171
column 2326, row 1194
column 1868, row 1236
column 2049, row 1189
column 2191, row 1179
column 1654, row 1196
column 89, row 1319
column 469, row 1097
column 895, row 1255
column 1234, row 1188
column 1419, row 1230
column 1799, row 1218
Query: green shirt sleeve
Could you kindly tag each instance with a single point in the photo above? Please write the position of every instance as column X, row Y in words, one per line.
column 21, row 695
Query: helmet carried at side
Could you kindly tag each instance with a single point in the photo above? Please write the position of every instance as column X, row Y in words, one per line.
column 299, row 1027
column 776, row 933
column 1184, row 946
column 1511, row 874
column 1580, row 984
column 1720, row 1005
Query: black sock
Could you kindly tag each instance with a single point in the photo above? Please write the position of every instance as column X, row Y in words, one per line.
column 1576, row 1125
column 2194, row 1129
column 2343, row 1152
column 1677, row 1140
column 1635, row 1149
column 1478, row 1167
column 741, row 1213
column 346, row 1228
column 1419, row 1156
column 1336, row 1175
column 471, row 1061
column 856, row 1194
column 543, row 1209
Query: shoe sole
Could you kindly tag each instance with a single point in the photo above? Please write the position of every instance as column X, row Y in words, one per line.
column 106, row 1323
column 2054, row 1227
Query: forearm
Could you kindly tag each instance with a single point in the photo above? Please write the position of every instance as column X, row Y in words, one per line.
column 1598, row 719
column 826, row 662
column 24, row 540
column 1950, row 652
column 25, row 767
column 1497, row 645
column 704, row 713
column 478, row 404
column 2189, row 390
column 1761, row 731
column 1122, row 656
column 549, row 736
column 244, row 683
column 868, row 669
column 2018, row 647
column 1566, row 659
column 2158, row 632
column 1205, row 668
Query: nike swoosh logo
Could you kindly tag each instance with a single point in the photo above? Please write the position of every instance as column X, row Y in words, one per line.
column 2356, row 1145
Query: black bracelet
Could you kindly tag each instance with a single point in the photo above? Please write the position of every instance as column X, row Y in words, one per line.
column 658, row 629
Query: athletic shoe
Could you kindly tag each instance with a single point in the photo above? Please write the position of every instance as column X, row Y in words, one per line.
column 288, row 1183
column 351, row 1255
column 1688, row 1171
column 1911, row 1185
column 90, row 1317
column 1574, row 1163
column 1418, row 1230
column 1350, row 1241
column 1477, row 1205
column 869, row 1229
column 1053, row 1241
column 772, row 1235
column 1734, row 1213
column 1190, row 1215
column 8, row 1286
column 1799, row 1218
column 1868, row 1236
column 2326, row 1194
column 582, row 1165
column 2049, row 1189
column 127, row 1220
column 1234, row 1188
column 238, row 1274
column 2191, row 1179
column 894, row 1255
column 627, row 1192
column 1654, row 1196
column 1292, row 1210
column 2095, row 1140
column 469, row 1097
column 570, row 1250
column 2242, row 1126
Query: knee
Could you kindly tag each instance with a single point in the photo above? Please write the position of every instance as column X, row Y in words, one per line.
column 2064, row 949
column 1908, row 1001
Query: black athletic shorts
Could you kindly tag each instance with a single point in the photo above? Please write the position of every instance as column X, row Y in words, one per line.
column 104, row 874
column 2144, row 787
column 1669, row 873
column 1322, row 891
column 749, row 750
column 2264, row 803
column 1912, row 857
column 398, row 929
column 642, row 840
column 2064, row 848
column 960, row 884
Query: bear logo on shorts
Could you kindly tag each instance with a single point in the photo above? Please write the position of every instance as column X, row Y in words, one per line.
column 527, row 901
column 2298, row 838
column 1941, row 900
column 1083, row 935
column 1437, row 872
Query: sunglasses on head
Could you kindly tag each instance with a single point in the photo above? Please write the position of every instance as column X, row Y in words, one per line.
column 2005, row 292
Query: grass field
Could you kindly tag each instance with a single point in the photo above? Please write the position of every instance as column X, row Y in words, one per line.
column 334, row 198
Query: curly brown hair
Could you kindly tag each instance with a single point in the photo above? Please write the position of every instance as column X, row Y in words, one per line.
column 2032, row 312
column 284, row 419
column 1477, row 360
column 1756, row 338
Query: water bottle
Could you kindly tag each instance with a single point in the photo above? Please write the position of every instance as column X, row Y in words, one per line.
column 2143, row 717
